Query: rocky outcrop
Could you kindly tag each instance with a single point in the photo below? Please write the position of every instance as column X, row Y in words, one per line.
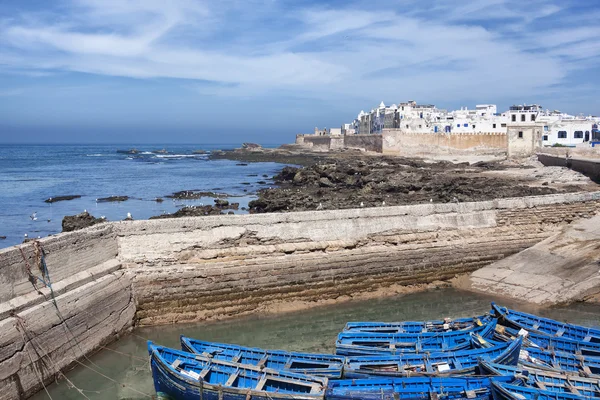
column 76, row 222
column 62, row 198
column 112, row 199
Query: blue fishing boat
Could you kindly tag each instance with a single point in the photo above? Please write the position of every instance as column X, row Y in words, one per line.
column 184, row 376
column 535, row 357
column 425, row 388
column 545, row 380
column 306, row 363
column 463, row 362
column 546, row 326
column 352, row 343
column 550, row 343
column 505, row 391
column 445, row 325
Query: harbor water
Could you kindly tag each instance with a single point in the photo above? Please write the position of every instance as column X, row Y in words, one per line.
column 30, row 174
column 121, row 370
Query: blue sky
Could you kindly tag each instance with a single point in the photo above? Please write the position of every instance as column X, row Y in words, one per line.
column 197, row 71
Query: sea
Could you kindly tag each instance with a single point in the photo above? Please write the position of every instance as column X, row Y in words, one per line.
column 30, row 174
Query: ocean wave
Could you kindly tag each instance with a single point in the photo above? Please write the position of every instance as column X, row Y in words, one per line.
column 147, row 152
column 95, row 155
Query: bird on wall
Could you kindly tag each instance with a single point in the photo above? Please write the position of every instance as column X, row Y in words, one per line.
column 362, row 204
column 320, row 206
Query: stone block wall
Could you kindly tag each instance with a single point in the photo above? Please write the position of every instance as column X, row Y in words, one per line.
column 224, row 266
column 401, row 143
column 364, row 142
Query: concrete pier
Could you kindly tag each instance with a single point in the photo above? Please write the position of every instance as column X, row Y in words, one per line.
column 110, row 277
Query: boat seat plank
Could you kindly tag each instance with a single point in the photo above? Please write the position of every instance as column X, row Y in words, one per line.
column 232, row 378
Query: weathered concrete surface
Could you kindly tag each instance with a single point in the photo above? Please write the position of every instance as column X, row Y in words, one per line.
column 206, row 268
column 38, row 342
column 563, row 268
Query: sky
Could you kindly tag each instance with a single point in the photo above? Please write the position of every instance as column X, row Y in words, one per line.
column 195, row 71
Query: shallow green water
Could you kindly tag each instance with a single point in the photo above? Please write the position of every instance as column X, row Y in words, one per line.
column 313, row 330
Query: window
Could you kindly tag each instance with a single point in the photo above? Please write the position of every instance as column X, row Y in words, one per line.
column 514, row 118
column 520, row 135
column 545, row 138
column 522, row 117
column 458, row 125
column 545, row 128
column 473, row 126
column 420, row 126
column 503, row 125
column 466, row 125
column 406, row 126
column 562, row 134
column 578, row 135
column 494, row 126
column 533, row 117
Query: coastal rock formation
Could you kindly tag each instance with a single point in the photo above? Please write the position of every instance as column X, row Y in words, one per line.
column 112, row 199
column 194, row 194
column 349, row 182
column 75, row 222
column 251, row 146
column 62, row 198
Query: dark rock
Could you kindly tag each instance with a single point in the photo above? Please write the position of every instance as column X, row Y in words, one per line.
column 112, row 199
column 192, row 194
column 261, row 182
column 324, row 182
column 130, row 151
column 251, row 146
column 62, row 198
column 230, row 213
column 265, row 176
column 246, row 183
column 285, row 175
column 221, row 203
column 75, row 222
column 2, row 237
column 199, row 152
column 241, row 164
column 243, row 208
column 159, row 200
column 191, row 212
column 234, row 206
column 252, row 175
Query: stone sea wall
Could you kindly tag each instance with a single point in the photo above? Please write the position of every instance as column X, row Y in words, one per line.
column 110, row 277
column 207, row 268
column 432, row 144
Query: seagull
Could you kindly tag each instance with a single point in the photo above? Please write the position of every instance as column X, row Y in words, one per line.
column 25, row 236
column 383, row 203
column 33, row 216
column 102, row 217
column 454, row 199
column 84, row 211
column 362, row 204
column 129, row 216
column 431, row 200
column 320, row 206
column 49, row 220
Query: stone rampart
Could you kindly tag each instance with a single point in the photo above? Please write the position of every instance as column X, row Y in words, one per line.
column 372, row 143
column 402, row 143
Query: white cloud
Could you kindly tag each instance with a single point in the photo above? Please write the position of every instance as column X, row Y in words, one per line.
column 257, row 47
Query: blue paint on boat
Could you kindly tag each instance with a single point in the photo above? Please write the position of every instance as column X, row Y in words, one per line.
column 547, row 380
column 505, row 391
column 414, row 388
column 305, row 363
column 184, row 376
column 417, row 326
column 545, row 326
column 463, row 362
column 352, row 343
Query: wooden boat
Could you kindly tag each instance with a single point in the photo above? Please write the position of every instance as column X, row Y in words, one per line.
column 505, row 391
column 558, row 361
column 352, row 343
column 306, row 363
column 549, row 343
column 445, row 325
column 546, row 326
column 185, row 376
column 463, row 362
column 545, row 380
column 412, row 388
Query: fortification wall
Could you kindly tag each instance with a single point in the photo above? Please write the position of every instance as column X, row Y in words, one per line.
column 424, row 144
column 205, row 268
column 317, row 143
column 364, row 142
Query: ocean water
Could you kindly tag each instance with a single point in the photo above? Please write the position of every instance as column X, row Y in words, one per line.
column 29, row 174
column 121, row 370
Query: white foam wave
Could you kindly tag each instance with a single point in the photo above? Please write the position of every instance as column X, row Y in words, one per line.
column 180, row 155
column 95, row 155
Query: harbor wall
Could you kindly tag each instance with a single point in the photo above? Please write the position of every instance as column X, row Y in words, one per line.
column 111, row 277
column 91, row 303
column 402, row 143
column 589, row 167
column 195, row 269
